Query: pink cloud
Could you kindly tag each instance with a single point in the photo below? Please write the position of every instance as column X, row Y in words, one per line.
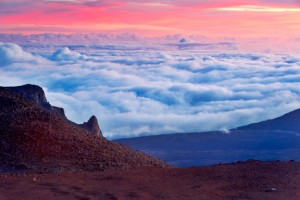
column 215, row 17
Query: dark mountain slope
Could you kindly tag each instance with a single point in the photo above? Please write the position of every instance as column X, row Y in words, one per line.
column 287, row 122
column 276, row 139
column 32, row 137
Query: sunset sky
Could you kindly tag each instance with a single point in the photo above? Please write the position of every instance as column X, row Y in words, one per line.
column 239, row 18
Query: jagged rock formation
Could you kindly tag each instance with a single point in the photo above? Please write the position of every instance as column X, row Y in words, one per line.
column 32, row 137
column 92, row 125
column 37, row 95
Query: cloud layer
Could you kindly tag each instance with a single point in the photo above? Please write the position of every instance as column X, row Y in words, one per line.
column 141, row 92
column 12, row 53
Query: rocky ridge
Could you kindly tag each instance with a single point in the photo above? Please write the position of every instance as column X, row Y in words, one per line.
column 36, row 138
column 37, row 95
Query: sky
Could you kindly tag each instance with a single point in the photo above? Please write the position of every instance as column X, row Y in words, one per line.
column 234, row 18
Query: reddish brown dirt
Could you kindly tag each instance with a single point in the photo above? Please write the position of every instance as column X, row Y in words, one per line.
column 230, row 181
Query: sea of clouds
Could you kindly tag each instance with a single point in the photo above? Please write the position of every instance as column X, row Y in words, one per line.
column 140, row 91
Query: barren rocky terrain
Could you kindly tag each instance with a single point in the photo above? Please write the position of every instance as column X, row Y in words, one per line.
column 45, row 156
column 249, row 180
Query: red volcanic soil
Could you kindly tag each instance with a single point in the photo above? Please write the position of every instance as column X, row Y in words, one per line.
column 249, row 180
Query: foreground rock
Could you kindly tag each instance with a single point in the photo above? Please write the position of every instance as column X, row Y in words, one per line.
column 35, row 136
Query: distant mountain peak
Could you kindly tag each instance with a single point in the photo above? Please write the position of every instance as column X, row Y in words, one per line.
column 183, row 40
column 286, row 122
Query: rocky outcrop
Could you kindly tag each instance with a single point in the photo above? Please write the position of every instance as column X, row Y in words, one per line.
column 92, row 125
column 36, row 94
column 59, row 111
column 32, row 92
column 35, row 138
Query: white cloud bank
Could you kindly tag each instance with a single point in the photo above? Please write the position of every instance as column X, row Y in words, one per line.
column 65, row 54
column 13, row 53
column 149, row 92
